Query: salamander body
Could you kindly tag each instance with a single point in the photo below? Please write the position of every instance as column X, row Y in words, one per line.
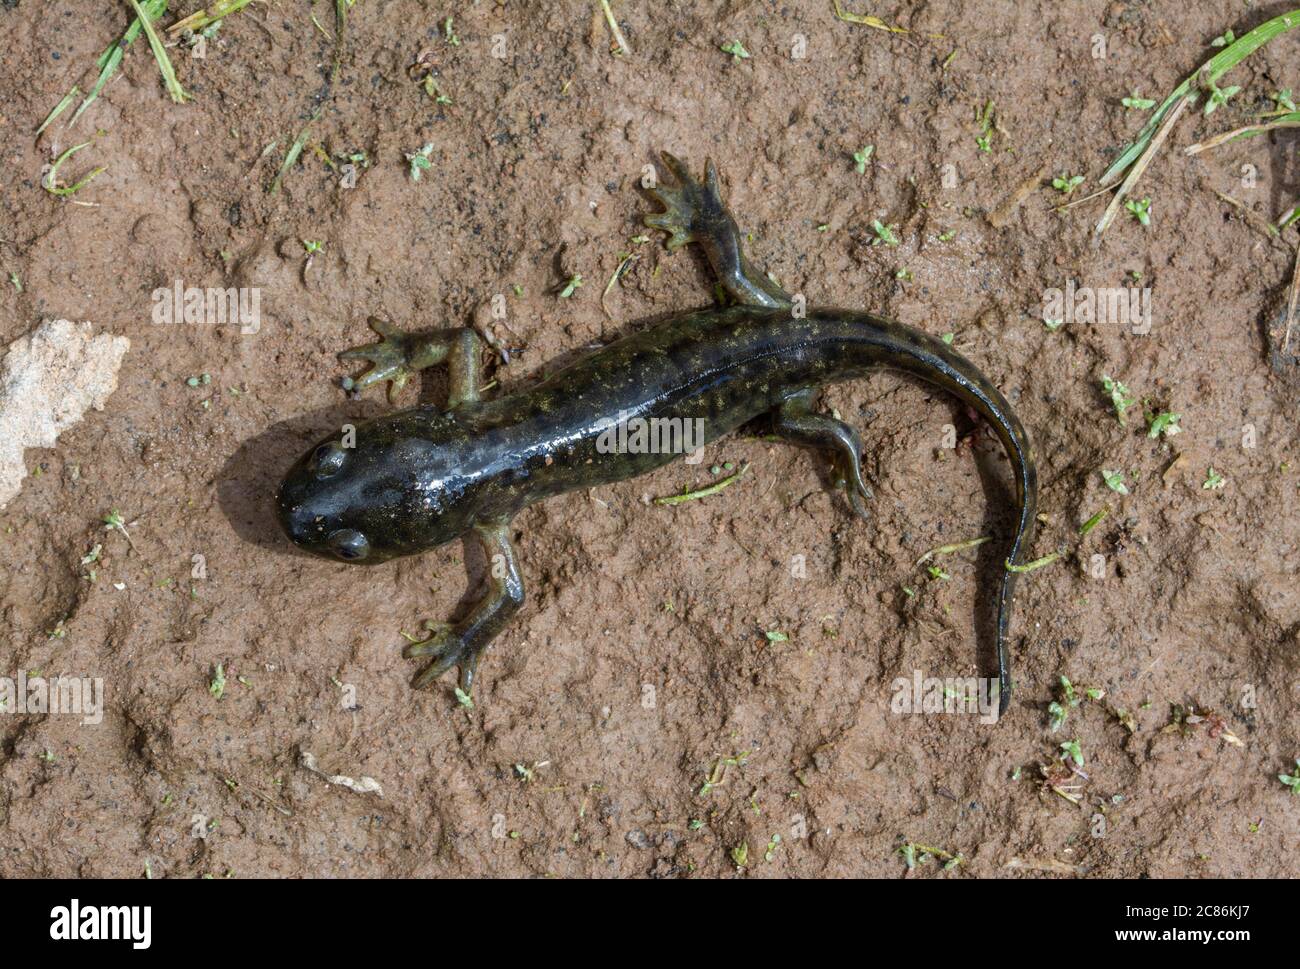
column 416, row 479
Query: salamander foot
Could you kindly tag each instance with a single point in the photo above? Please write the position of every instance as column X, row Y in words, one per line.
column 795, row 421
column 397, row 357
column 449, row 648
column 694, row 212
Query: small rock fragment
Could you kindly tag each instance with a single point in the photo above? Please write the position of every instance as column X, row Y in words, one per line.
column 48, row 380
column 364, row 785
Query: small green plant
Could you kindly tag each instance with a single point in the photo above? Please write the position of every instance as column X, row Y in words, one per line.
column 1073, row 751
column 736, row 49
column 1069, row 699
column 528, row 772
column 1115, row 481
column 984, row 116
column 90, row 558
column 771, row 847
column 718, row 775
column 1292, row 780
column 432, row 89
column 217, row 685
column 1136, row 102
column 1066, row 183
column 419, row 161
column 571, row 286
column 861, row 159
column 1165, row 423
column 1059, row 712
column 885, row 235
column 1213, row 481
column 114, row 521
column 1218, row 96
column 1140, row 210
column 1120, row 398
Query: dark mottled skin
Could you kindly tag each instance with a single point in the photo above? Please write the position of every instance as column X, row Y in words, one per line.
column 419, row 478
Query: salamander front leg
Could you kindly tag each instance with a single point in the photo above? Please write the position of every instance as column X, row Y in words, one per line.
column 399, row 355
column 462, row 644
column 795, row 421
column 696, row 213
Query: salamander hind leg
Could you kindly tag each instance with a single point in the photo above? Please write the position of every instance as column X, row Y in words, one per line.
column 463, row 643
column 696, row 213
column 795, row 421
column 398, row 356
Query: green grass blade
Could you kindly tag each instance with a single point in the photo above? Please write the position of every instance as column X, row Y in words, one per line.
column 107, row 70
column 160, row 55
column 1211, row 71
column 292, row 156
column 208, row 16
column 59, row 108
column 1289, row 120
column 51, row 181
column 340, row 35
column 111, row 58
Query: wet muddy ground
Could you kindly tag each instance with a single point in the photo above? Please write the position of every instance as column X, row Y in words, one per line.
column 678, row 697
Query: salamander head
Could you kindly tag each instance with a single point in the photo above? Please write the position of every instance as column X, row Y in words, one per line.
column 390, row 493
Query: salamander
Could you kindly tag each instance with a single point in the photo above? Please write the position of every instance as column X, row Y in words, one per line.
column 419, row 478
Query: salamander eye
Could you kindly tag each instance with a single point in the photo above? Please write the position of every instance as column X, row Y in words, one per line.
column 349, row 544
column 328, row 460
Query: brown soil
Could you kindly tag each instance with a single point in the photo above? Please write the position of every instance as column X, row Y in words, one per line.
column 641, row 658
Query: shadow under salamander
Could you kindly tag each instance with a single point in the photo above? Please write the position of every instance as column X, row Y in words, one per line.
column 1000, row 517
column 248, row 481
